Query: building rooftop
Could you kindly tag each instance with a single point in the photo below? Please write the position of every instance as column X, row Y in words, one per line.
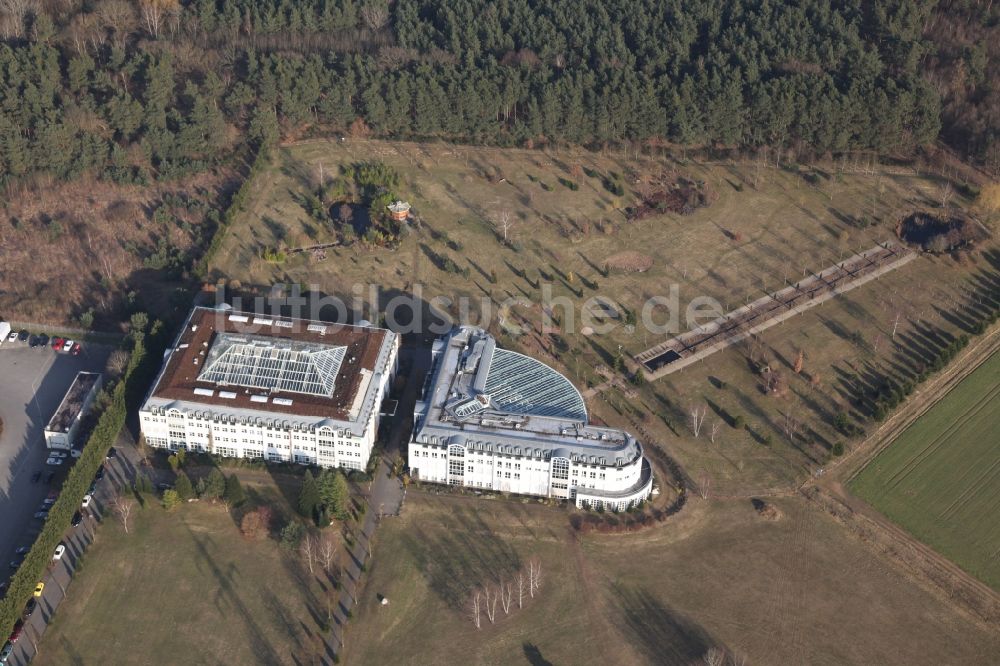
column 241, row 361
column 482, row 396
column 72, row 403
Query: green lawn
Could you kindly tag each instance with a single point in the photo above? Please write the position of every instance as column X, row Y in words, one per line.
column 186, row 588
column 941, row 479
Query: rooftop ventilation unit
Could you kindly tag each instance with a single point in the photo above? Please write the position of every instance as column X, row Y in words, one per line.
column 262, row 321
column 228, row 395
column 316, row 328
column 283, row 324
column 282, row 401
column 205, row 392
column 239, row 318
column 258, row 398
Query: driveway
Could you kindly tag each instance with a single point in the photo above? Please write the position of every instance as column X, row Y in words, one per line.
column 32, row 384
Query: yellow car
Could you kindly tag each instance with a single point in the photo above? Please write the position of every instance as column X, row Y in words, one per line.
column 38, row 589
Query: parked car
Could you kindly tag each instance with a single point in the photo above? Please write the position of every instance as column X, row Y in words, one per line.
column 41, row 515
column 33, row 341
column 77, row 519
column 53, row 494
column 12, row 336
column 43, row 340
column 112, row 454
column 48, row 501
column 75, row 453
column 67, row 345
column 22, row 550
column 93, row 487
column 45, row 507
column 53, row 461
column 29, row 608
column 75, row 349
column 23, row 335
column 39, row 589
column 58, row 454
column 5, row 653
column 35, row 477
column 18, row 628
column 60, row 550
column 57, row 343
column 100, row 473
column 50, row 477
column 86, row 500
column 16, row 562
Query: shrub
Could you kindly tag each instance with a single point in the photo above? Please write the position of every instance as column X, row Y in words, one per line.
column 171, row 500
column 838, row 449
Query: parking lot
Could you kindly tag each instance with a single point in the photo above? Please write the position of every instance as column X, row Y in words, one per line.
column 32, row 384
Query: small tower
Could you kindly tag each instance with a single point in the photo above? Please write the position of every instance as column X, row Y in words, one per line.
column 399, row 211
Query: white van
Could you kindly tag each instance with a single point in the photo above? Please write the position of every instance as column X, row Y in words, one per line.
column 4, row 331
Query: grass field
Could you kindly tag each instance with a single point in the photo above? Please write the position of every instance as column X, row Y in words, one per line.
column 767, row 225
column 792, row 590
column 187, row 588
column 940, row 479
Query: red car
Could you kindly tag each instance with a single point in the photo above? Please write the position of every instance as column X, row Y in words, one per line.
column 75, row 351
column 17, row 631
column 57, row 343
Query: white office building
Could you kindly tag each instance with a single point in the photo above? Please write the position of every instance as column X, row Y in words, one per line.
column 494, row 419
column 252, row 386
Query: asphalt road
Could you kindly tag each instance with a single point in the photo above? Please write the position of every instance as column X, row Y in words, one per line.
column 32, row 384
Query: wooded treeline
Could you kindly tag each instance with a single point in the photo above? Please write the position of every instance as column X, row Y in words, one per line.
column 157, row 88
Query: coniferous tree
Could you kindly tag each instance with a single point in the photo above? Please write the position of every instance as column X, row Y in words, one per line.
column 234, row 494
column 308, row 496
column 183, row 486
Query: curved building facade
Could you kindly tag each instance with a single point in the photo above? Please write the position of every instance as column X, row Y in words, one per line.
column 493, row 419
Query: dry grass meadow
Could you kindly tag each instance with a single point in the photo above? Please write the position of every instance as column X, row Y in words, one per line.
column 717, row 575
column 66, row 248
column 749, row 240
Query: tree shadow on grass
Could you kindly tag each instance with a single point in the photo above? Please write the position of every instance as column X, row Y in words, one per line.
column 226, row 595
column 534, row 655
column 663, row 634
column 464, row 554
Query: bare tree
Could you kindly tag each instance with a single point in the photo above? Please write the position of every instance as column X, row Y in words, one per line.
column 474, row 608
column 790, row 426
column 117, row 363
column 534, row 576
column 704, row 485
column 504, row 223
column 715, row 430
column 714, row 657
column 895, row 323
column 327, row 552
column 506, row 591
column 119, row 17
column 153, row 13
column 18, row 10
column 123, row 508
column 697, row 418
column 947, row 192
column 309, row 550
column 376, row 14
column 520, row 581
column 490, row 602
column 799, row 361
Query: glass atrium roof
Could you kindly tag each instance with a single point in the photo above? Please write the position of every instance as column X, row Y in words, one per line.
column 519, row 384
column 266, row 363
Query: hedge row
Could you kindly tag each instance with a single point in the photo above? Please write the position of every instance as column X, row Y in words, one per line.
column 236, row 206
column 77, row 483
